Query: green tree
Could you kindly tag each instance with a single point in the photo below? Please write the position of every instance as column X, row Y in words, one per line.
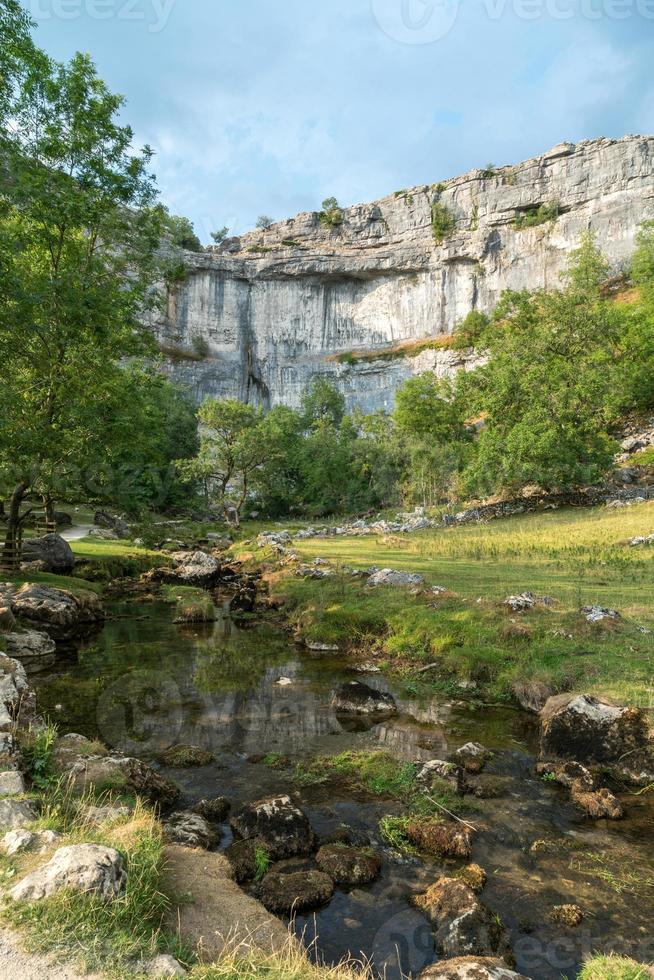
column 264, row 222
column 182, row 233
column 220, row 235
column 79, row 232
column 321, row 401
column 426, row 406
column 233, row 446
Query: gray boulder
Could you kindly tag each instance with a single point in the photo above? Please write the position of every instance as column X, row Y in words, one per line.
column 588, row 729
column 35, row 650
column 56, row 608
column 89, row 868
column 17, row 699
column 12, row 783
column 193, row 568
column 286, row 894
column 16, row 814
column 161, row 966
column 55, row 553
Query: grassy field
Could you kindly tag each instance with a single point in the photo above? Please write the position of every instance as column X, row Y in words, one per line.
column 577, row 557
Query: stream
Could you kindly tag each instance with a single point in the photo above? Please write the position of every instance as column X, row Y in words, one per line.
column 144, row 684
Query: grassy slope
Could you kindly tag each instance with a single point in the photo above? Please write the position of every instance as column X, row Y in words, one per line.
column 576, row 556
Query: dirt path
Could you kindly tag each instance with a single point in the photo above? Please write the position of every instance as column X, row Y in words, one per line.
column 15, row 964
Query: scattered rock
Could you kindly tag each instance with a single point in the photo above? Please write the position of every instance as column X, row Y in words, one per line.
column 357, row 698
column 286, row 894
column 470, row 968
column 647, row 539
column 189, row 829
column 462, row 925
column 161, row 966
column 283, row 829
column 473, row 756
column 214, row 810
column 348, row 865
column 186, row 757
column 17, row 699
column 391, row 576
column 55, row 553
column 16, row 814
column 102, row 771
column 596, row 614
column 591, row 730
column 88, row 868
column 566, row 915
column 435, row 836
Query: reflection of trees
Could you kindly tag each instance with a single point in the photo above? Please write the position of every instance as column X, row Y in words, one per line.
column 236, row 660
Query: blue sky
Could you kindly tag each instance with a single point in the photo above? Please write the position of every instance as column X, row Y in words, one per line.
column 269, row 106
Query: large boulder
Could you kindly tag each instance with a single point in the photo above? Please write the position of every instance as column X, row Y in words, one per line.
column 356, row 698
column 462, row 925
column 76, row 757
column 56, row 609
column 470, row 968
column 286, row 894
column 193, row 568
column 89, row 868
column 281, row 827
column 581, row 727
column 348, row 865
column 55, row 553
column 35, row 650
column 436, row 836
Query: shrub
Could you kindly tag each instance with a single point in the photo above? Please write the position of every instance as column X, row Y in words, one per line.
column 200, row 346
column 540, row 215
column 264, row 222
column 331, row 214
column 443, row 223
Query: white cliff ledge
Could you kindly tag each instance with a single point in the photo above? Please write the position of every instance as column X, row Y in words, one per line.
column 258, row 317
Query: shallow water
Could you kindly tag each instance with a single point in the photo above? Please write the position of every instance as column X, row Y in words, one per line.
column 145, row 684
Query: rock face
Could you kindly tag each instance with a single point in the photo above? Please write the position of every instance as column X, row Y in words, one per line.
column 275, row 308
column 55, row 553
column 89, row 868
column 281, row 827
column 584, row 728
column 17, row 700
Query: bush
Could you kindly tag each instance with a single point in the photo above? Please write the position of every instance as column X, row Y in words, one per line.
column 200, row 346
column 540, row 215
column 443, row 223
column 331, row 214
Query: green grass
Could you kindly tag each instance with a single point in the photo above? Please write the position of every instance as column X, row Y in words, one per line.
column 579, row 557
column 192, row 605
column 614, row 968
column 69, row 582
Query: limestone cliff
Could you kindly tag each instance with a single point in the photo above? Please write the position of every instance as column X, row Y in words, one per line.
column 371, row 301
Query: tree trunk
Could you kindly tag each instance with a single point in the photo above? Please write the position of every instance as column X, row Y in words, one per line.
column 49, row 507
column 11, row 552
